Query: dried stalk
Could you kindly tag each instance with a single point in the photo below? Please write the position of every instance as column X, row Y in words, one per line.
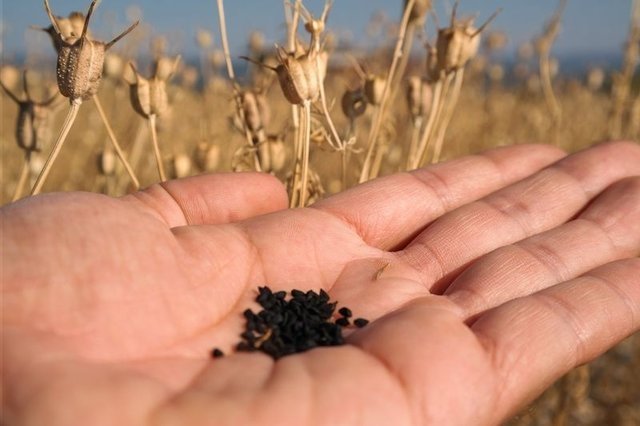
column 232, row 76
column 68, row 122
column 544, row 45
column 365, row 173
column 156, row 147
column 24, row 176
column 449, row 108
column 116, row 145
column 306, row 109
column 621, row 88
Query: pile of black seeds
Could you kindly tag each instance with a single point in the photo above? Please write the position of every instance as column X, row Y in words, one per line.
column 288, row 325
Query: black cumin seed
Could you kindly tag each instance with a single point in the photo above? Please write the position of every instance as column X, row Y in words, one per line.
column 291, row 324
column 343, row 322
column 345, row 312
column 217, row 353
column 360, row 322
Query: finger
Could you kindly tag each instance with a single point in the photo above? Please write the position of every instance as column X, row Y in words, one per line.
column 213, row 199
column 534, row 340
column 437, row 360
column 533, row 205
column 606, row 231
column 390, row 211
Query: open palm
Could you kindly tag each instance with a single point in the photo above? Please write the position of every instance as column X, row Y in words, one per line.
column 486, row 278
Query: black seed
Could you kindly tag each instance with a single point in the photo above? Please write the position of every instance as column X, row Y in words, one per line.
column 291, row 325
column 360, row 322
column 343, row 322
column 345, row 312
column 217, row 353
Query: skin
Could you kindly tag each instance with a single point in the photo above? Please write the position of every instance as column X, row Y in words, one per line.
column 486, row 278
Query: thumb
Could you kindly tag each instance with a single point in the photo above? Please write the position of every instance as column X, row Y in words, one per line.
column 213, row 199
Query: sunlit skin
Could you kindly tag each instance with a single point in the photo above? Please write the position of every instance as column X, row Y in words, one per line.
column 486, row 278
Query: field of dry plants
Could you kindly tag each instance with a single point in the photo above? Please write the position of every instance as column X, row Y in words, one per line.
column 321, row 117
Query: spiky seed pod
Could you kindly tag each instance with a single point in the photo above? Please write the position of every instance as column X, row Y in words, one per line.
column 456, row 46
column 80, row 60
column 164, row 68
column 374, row 89
column 419, row 10
column 298, row 77
column 354, row 103
column 458, row 43
column 419, row 96
column 32, row 122
column 107, row 162
column 149, row 96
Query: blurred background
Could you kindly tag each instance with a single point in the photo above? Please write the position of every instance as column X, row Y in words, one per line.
column 524, row 83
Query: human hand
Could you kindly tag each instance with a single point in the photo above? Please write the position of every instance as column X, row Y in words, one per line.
column 487, row 278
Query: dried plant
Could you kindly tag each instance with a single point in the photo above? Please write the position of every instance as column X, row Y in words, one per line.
column 379, row 114
column 79, row 70
column 32, row 127
column 149, row 99
column 543, row 46
column 455, row 46
column 621, row 87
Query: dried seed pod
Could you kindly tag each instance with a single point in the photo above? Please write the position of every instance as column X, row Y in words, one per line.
column 114, row 66
column 272, row 154
column 419, row 10
column 419, row 95
column 595, row 79
column 496, row 40
column 207, row 156
column 299, row 77
column 181, row 166
column 354, row 103
column 33, row 119
column 256, row 42
column 374, row 89
column 107, row 162
column 80, row 59
column 204, row 39
column 10, row 76
column 252, row 116
column 458, row 43
column 149, row 96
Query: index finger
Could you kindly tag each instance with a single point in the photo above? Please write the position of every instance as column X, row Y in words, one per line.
column 389, row 212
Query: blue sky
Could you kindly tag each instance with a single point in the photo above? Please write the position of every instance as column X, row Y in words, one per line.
column 590, row 26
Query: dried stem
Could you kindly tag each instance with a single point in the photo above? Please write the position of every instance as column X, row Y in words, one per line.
column 232, row 76
column 434, row 112
column 306, row 110
column 64, row 132
column 116, row 145
column 365, row 174
column 24, row 175
column 621, row 88
column 156, row 146
column 448, row 110
column 545, row 43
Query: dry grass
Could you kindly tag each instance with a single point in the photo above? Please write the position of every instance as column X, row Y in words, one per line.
column 203, row 130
